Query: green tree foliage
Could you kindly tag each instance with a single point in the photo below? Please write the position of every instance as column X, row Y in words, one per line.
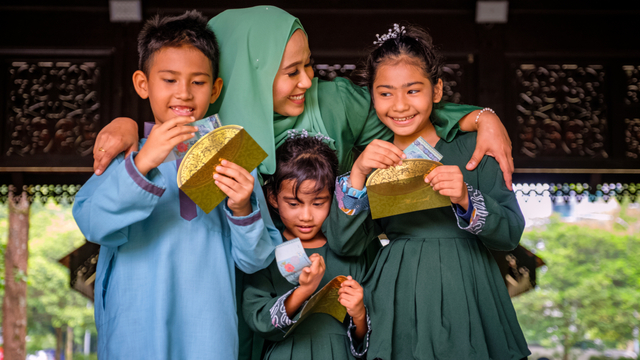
column 590, row 288
column 52, row 304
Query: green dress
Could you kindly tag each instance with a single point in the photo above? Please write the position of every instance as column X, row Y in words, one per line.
column 320, row 336
column 435, row 292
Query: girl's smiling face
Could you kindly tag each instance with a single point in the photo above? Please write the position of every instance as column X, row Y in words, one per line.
column 303, row 215
column 293, row 77
column 403, row 97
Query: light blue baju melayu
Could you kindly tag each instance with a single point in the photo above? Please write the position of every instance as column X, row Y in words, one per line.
column 165, row 286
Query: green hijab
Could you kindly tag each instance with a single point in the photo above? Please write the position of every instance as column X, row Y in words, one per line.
column 252, row 42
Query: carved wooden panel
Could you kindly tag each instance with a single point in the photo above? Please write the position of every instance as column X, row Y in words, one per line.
column 453, row 78
column 561, row 111
column 632, row 75
column 580, row 191
column 330, row 72
column 53, row 107
column 632, row 138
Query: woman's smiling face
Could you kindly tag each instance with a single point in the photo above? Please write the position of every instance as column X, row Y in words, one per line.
column 293, row 77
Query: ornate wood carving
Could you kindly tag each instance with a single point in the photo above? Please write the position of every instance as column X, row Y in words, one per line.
column 565, row 191
column 632, row 138
column 632, row 74
column 561, row 111
column 453, row 77
column 53, row 107
column 64, row 194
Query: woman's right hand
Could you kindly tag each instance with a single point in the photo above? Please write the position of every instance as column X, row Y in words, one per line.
column 119, row 135
column 379, row 154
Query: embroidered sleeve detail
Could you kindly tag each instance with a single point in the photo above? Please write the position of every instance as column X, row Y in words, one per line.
column 351, row 334
column 140, row 179
column 479, row 214
column 350, row 200
column 279, row 317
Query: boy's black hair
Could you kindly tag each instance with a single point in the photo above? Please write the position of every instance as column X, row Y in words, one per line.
column 189, row 28
column 300, row 159
column 414, row 45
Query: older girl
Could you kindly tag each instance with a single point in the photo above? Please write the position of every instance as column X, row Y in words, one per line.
column 435, row 292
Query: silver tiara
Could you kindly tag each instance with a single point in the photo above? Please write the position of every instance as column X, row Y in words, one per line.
column 392, row 34
column 294, row 133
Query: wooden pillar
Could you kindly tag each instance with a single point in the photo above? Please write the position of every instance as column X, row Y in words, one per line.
column 14, row 307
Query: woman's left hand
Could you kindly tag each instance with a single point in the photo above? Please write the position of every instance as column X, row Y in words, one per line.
column 237, row 184
column 493, row 140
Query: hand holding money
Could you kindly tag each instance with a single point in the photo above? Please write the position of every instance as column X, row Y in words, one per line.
column 162, row 139
column 201, row 128
column 291, row 259
column 379, row 154
column 312, row 275
column 310, row 278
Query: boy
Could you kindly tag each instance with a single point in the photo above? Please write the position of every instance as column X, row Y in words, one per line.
column 165, row 286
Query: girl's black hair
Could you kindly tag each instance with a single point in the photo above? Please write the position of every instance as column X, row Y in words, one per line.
column 303, row 158
column 189, row 28
column 413, row 45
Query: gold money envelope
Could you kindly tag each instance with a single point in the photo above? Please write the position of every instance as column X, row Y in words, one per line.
column 324, row 301
column 401, row 189
column 195, row 174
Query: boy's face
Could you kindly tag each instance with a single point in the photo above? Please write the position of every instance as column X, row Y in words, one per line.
column 180, row 83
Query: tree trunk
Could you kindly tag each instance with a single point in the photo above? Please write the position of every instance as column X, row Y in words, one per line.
column 58, row 343
column 68, row 353
column 566, row 348
column 14, row 307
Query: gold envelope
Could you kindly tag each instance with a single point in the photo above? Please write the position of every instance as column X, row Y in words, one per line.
column 401, row 189
column 195, row 174
column 324, row 301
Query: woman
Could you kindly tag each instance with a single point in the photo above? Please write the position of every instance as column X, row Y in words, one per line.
column 270, row 91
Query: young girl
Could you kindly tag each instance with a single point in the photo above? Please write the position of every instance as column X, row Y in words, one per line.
column 300, row 191
column 435, row 292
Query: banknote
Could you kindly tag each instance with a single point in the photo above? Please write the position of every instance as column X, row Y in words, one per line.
column 204, row 126
column 420, row 149
column 291, row 259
